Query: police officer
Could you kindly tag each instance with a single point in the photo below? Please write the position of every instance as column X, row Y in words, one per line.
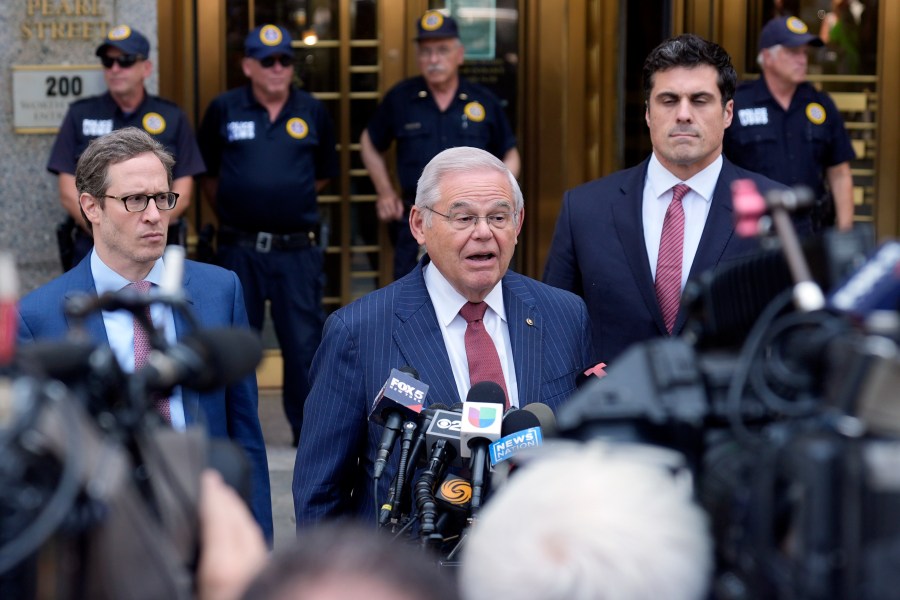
column 787, row 130
column 124, row 54
column 269, row 148
column 427, row 114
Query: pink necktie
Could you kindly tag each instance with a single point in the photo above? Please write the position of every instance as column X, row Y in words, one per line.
column 142, row 350
column 481, row 354
column 671, row 251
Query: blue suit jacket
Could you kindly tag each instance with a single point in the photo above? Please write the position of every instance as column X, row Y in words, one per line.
column 216, row 300
column 598, row 252
column 550, row 335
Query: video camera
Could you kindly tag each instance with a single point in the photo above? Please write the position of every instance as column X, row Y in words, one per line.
column 96, row 491
column 785, row 405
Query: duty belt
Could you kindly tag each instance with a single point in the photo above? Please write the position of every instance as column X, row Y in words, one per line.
column 264, row 241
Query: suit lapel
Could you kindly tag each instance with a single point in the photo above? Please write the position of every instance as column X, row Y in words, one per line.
column 82, row 282
column 418, row 334
column 629, row 225
column 525, row 335
column 189, row 398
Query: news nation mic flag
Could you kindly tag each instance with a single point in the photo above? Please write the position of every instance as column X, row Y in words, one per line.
column 508, row 446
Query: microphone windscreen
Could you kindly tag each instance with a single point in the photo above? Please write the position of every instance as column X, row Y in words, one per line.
column 65, row 360
column 409, row 371
column 545, row 417
column 438, row 406
column 519, row 420
column 487, row 392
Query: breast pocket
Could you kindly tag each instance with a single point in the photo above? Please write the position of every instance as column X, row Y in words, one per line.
column 476, row 135
column 757, row 149
column 819, row 141
column 414, row 142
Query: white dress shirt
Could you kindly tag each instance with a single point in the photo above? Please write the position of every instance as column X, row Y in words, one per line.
column 120, row 324
column 447, row 303
column 696, row 203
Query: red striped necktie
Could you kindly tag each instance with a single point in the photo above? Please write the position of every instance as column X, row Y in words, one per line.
column 671, row 252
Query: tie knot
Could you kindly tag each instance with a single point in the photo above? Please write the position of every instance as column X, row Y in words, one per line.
column 140, row 286
column 473, row 311
column 679, row 191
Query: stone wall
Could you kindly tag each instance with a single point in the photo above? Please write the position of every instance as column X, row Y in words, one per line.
column 47, row 32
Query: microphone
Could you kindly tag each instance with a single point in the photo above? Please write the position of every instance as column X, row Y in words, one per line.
column 444, row 427
column 481, row 425
column 400, row 399
column 203, row 360
column 521, row 430
column 545, row 417
column 874, row 286
column 171, row 283
column 9, row 295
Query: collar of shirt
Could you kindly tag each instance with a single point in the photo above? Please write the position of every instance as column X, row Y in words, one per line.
column 447, row 302
column 119, row 324
column 657, row 195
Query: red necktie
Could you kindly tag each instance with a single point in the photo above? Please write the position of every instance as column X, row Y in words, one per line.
column 481, row 354
column 671, row 251
column 142, row 350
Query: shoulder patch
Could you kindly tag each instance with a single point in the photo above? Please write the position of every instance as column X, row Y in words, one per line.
column 297, row 128
column 475, row 111
column 815, row 112
column 153, row 123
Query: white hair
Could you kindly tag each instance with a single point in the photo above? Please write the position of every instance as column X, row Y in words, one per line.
column 586, row 523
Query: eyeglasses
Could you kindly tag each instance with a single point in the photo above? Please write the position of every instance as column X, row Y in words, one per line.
column 269, row 61
column 442, row 51
column 125, row 60
column 463, row 222
column 139, row 202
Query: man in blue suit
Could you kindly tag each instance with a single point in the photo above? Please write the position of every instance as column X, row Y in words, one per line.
column 123, row 181
column 468, row 214
column 609, row 235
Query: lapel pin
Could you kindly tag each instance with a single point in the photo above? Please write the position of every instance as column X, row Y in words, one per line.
column 530, row 321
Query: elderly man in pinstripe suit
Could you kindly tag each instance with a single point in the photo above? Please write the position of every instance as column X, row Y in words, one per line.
column 468, row 215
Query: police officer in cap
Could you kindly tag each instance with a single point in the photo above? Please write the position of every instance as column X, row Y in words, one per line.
column 787, row 130
column 270, row 148
column 124, row 55
column 427, row 114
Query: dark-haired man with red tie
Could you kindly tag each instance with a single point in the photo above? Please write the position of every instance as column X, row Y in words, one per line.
column 628, row 243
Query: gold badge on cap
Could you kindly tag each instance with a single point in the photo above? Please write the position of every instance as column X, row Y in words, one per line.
column 474, row 111
column 815, row 112
column 119, row 32
column 153, row 123
column 432, row 20
column 270, row 35
column 796, row 25
column 297, row 128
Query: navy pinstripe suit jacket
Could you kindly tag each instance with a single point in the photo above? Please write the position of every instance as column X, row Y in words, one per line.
column 549, row 331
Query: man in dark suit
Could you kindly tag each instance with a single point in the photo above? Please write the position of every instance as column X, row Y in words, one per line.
column 468, row 214
column 615, row 235
column 123, row 181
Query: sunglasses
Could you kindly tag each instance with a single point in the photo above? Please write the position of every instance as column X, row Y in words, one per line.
column 269, row 61
column 125, row 60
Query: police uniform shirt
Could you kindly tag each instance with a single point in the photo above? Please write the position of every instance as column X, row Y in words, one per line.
column 93, row 117
column 267, row 171
column 793, row 146
column 410, row 115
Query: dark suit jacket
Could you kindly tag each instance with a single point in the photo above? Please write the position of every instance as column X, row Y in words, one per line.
column 550, row 335
column 598, row 252
column 216, row 300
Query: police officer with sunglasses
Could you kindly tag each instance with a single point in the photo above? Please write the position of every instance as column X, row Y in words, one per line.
column 124, row 55
column 269, row 149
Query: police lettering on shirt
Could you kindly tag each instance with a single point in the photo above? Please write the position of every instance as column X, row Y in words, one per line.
column 96, row 127
column 753, row 116
column 241, row 130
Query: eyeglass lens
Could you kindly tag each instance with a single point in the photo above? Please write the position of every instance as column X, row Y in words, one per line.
column 125, row 61
column 269, row 61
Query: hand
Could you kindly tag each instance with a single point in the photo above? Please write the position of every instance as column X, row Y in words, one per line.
column 389, row 208
column 232, row 548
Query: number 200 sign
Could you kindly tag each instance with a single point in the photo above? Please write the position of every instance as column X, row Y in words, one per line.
column 42, row 93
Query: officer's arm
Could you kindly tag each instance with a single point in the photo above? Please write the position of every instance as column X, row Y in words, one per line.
column 184, row 187
column 513, row 161
column 840, row 181
column 209, row 185
column 389, row 205
column 68, row 197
